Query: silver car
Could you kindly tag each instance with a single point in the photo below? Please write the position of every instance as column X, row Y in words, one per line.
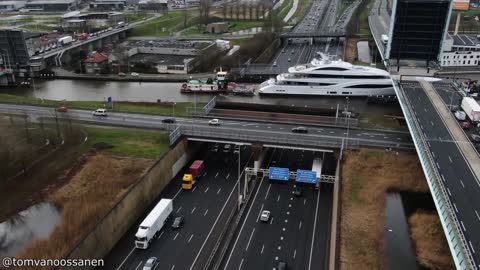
column 151, row 263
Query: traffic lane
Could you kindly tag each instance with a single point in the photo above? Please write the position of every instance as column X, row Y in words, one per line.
column 182, row 202
column 321, row 243
column 460, row 183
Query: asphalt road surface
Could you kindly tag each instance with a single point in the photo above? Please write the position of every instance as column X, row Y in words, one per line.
column 204, row 209
column 461, row 184
column 150, row 121
column 298, row 229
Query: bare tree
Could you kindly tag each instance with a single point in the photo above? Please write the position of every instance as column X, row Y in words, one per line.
column 250, row 10
column 185, row 17
column 231, row 12
column 205, row 7
column 237, row 10
column 224, row 9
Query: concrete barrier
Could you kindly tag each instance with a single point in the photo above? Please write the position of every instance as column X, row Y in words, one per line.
column 101, row 239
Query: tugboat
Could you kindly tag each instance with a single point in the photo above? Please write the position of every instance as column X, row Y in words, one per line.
column 208, row 86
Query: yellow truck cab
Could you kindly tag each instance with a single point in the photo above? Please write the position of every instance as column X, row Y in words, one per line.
column 188, row 181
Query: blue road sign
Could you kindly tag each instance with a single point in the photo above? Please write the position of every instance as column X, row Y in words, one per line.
column 276, row 173
column 309, row 177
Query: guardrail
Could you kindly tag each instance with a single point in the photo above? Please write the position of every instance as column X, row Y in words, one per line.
column 456, row 240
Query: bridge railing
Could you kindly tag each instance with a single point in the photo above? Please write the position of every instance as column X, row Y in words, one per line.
column 456, row 240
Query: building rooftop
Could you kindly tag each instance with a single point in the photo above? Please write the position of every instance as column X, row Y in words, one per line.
column 51, row 2
column 4, row 3
column 180, row 44
column 161, row 59
column 464, row 39
column 96, row 57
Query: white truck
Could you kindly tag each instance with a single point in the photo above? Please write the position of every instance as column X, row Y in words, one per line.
column 471, row 108
column 63, row 41
column 153, row 223
column 384, row 39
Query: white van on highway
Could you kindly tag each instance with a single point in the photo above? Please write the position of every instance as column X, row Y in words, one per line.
column 100, row 112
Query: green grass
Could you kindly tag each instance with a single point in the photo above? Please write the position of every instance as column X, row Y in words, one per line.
column 128, row 107
column 241, row 25
column 194, row 30
column 171, row 22
column 357, row 185
column 302, row 8
column 37, row 27
column 343, row 6
column 134, row 143
column 239, row 41
column 471, row 12
column 285, row 8
column 133, row 17
column 377, row 120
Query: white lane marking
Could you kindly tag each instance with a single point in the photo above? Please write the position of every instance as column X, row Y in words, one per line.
column 456, row 209
column 193, row 210
column 216, row 175
column 281, row 128
column 173, row 267
column 313, row 234
column 206, row 190
column 433, row 154
column 438, row 165
column 178, row 210
column 304, row 201
column 250, row 239
column 448, row 190
column 120, row 266
column 461, row 182
column 240, row 266
column 263, row 246
column 449, row 158
column 228, row 175
column 178, row 192
column 443, row 178
column 319, row 131
column 161, row 235
column 205, row 213
column 271, row 220
column 195, row 187
column 399, row 139
column 138, row 265
column 268, row 191
column 218, row 192
column 331, row 132
column 478, row 216
column 470, row 242
column 432, row 123
column 294, row 253
column 176, row 235
column 260, row 213
column 463, row 226
column 190, row 239
column 205, row 173
column 278, row 198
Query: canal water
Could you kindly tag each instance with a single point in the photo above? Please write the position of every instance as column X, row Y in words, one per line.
column 19, row 231
column 74, row 90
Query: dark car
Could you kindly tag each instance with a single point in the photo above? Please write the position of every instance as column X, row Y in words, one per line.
column 177, row 222
column 465, row 125
column 168, row 121
column 282, row 265
column 150, row 264
column 215, row 148
column 475, row 138
column 300, row 130
column 227, row 148
column 297, row 192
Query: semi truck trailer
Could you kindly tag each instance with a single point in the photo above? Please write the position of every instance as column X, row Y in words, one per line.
column 471, row 108
column 196, row 170
column 153, row 223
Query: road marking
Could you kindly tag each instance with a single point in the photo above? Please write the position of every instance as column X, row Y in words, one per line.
column 190, row 239
column 463, row 226
column 176, row 235
column 205, row 213
column 304, row 201
column 271, row 220
column 425, row 109
column 240, row 266
column 193, row 210
column 438, row 165
column 331, row 132
column 173, row 267
column 470, row 242
column 268, row 191
column 399, row 139
column 218, row 192
column 205, row 174
column 449, row 158
column 138, row 265
column 206, row 190
column 319, row 131
column 178, row 210
column 461, row 182
column 433, row 154
column 300, row 225
column 216, row 175
column 195, row 187
column 432, row 123
column 448, row 190
column 478, row 216
column 228, row 175
column 251, row 235
column 313, row 235
column 160, row 235
column 281, row 128
column 294, row 253
column 269, row 127
column 443, row 178
column 385, row 137
column 180, row 189
column 456, row 209
column 134, row 249
column 260, row 213
column 263, row 246
column 278, row 198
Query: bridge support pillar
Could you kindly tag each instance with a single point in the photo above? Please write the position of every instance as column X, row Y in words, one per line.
column 311, row 41
column 115, row 38
column 122, row 35
column 66, row 59
column 90, row 47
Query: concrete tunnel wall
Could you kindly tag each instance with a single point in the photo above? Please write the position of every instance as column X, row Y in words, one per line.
column 102, row 238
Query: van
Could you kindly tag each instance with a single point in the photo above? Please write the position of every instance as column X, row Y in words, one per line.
column 100, row 112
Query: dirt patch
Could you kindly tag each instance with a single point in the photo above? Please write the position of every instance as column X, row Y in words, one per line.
column 351, row 53
column 367, row 176
column 88, row 196
column 429, row 240
column 144, row 143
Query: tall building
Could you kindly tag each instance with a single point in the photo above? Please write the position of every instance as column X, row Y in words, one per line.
column 13, row 49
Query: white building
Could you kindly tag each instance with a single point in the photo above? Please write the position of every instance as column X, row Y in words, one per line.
column 11, row 5
column 461, row 50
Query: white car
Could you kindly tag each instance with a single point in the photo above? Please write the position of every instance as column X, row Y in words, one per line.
column 134, row 74
column 265, row 216
column 100, row 112
column 214, row 122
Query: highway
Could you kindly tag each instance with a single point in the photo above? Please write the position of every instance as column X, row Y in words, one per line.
column 205, row 209
column 363, row 137
column 299, row 227
column 461, row 184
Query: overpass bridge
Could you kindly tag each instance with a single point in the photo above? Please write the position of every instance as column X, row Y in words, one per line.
column 333, row 34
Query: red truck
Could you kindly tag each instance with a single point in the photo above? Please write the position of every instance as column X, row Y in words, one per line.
column 189, row 179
